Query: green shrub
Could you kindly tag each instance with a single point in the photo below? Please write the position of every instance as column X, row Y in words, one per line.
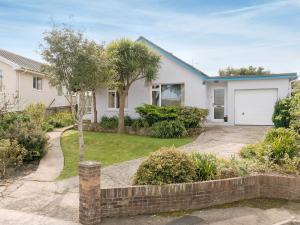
column 280, row 142
column 11, row 155
column 37, row 112
column 164, row 167
column 250, row 151
column 61, row 119
column 295, row 113
column 47, row 127
column 281, row 116
column 205, row 166
column 227, row 168
column 109, row 122
column 9, row 118
column 168, row 129
column 30, row 136
column 139, row 123
column 127, row 121
column 190, row 116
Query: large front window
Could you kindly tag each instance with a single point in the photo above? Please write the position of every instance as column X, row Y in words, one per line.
column 168, row 94
column 114, row 100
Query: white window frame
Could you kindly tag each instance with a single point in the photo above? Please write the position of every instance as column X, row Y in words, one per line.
column 115, row 100
column 1, row 81
column 89, row 102
column 159, row 90
column 35, row 83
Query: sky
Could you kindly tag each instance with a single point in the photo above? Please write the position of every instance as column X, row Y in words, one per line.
column 209, row 34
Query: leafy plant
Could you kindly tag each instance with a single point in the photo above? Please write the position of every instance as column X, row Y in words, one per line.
column 164, row 167
column 37, row 112
column 191, row 117
column 11, row 155
column 227, row 168
column 139, row 123
column 47, row 127
column 168, row 129
column 282, row 116
column 109, row 122
column 61, row 119
column 295, row 113
column 205, row 166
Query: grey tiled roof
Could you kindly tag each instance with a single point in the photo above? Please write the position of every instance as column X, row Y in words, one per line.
column 21, row 61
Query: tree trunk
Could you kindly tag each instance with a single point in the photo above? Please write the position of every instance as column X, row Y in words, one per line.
column 121, row 125
column 94, row 106
column 81, row 110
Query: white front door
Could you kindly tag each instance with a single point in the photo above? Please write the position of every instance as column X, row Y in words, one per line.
column 218, row 104
column 255, row 107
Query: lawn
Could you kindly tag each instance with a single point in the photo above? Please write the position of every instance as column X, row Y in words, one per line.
column 110, row 148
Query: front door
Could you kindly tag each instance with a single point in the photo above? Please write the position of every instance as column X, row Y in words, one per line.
column 218, row 103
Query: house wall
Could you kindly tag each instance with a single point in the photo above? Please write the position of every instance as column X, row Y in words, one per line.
column 30, row 95
column 140, row 92
column 282, row 85
column 9, row 82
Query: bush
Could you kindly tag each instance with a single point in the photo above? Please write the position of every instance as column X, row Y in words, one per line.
column 168, row 129
column 47, row 127
column 164, row 167
column 11, row 155
column 139, row 123
column 190, row 116
column 281, row 116
column 109, row 122
column 295, row 113
column 231, row 168
column 249, row 151
column 205, row 166
column 280, row 142
column 127, row 121
column 61, row 119
column 37, row 112
column 30, row 136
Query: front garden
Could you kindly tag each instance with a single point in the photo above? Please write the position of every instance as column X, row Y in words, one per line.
column 23, row 139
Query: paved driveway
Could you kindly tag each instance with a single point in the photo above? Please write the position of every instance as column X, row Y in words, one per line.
column 226, row 141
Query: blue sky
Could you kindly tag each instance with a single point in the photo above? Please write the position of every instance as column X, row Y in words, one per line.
column 209, row 34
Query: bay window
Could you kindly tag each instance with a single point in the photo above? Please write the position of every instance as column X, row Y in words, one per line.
column 168, row 94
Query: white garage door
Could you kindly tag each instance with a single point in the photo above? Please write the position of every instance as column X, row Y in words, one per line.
column 255, row 107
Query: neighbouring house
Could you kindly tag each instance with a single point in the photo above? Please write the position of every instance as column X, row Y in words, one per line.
column 243, row 100
column 21, row 78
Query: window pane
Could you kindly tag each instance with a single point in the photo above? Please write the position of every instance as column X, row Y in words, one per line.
column 111, row 99
column 172, row 94
column 155, row 98
column 219, row 112
column 34, row 82
column 89, row 100
column 39, row 83
column 219, row 96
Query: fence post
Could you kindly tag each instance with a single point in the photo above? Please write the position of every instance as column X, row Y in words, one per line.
column 89, row 193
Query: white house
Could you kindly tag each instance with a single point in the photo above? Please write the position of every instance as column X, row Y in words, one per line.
column 20, row 78
column 244, row 100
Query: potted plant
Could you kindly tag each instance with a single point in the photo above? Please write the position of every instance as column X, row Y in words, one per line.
column 225, row 118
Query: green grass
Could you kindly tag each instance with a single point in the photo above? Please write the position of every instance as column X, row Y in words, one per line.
column 110, row 148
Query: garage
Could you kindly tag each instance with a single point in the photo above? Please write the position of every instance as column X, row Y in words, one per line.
column 255, row 106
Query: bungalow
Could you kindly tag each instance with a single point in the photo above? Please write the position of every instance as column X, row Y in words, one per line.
column 243, row 100
column 21, row 78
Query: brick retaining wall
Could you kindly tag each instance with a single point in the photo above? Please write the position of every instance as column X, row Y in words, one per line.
column 149, row 199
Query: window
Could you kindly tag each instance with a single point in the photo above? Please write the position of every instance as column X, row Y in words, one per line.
column 168, row 94
column 59, row 90
column 89, row 101
column 1, row 81
column 37, row 83
column 114, row 100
